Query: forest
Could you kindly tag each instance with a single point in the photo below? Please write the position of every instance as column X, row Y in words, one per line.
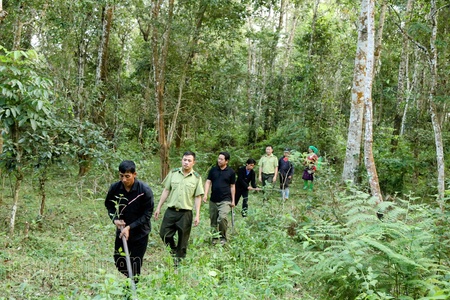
column 86, row 84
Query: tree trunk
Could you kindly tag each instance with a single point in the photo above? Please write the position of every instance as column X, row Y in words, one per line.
column 410, row 86
column 433, row 110
column 83, row 160
column 17, row 185
column 379, row 38
column 159, row 60
column 353, row 151
column 42, row 180
column 18, row 174
column 369, row 7
column 18, row 28
column 250, row 94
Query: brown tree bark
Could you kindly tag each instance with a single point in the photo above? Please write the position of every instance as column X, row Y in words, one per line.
column 159, row 60
column 369, row 7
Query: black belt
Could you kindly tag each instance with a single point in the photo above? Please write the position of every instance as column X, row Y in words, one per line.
column 179, row 209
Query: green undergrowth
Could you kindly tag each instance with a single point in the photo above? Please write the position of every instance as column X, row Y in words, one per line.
column 325, row 244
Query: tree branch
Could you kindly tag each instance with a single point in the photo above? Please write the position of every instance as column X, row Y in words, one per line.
column 418, row 45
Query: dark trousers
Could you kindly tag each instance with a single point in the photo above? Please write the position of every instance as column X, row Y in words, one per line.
column 244, row 193
column 267, row 178
column 176, row 222
column 137, row 250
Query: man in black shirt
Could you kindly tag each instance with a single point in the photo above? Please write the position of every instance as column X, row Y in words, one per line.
column 246, row 181
column 221, row 179
column 130, row 205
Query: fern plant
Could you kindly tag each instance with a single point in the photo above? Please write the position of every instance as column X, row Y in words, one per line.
column 363, row 257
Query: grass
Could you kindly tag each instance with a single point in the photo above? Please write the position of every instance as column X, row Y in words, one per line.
column 326, row 244
column 68, row 253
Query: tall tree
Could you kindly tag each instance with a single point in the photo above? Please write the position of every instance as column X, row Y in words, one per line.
column 437, row 126
column 353, row 151
column 160, row 48
column 431, row 56
column 24, row 107
column 362, row 102
column 368, row 12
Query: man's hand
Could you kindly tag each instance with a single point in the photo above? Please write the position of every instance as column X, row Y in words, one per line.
column 232, row 204
column 205, row 198
column 196, row 220
column 156, row 215
column 125, row 232
column 119, row 223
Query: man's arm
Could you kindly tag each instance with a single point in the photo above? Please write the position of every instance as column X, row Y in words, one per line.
column 163, row 199
column 276, row 174
column 198, row 202
column 260, row 165
column 233, row 193
column 207, row 186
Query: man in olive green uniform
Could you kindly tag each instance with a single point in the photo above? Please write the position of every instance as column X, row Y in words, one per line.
column 268, row 167
column 183, row 190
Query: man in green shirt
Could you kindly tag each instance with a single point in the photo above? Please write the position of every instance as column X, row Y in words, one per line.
column 183, row 190
column 268, row 167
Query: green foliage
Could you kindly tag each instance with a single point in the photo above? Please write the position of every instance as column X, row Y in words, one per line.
column 364, row 257
column 328, row 244
column 25, row 100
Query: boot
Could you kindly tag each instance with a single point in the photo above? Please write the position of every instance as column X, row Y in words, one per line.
column 305, row 184
column 311, row 186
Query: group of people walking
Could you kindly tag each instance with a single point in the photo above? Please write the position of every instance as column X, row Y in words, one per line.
column 130, row 202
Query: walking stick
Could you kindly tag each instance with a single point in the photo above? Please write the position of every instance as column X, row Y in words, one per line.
column 129, row 267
